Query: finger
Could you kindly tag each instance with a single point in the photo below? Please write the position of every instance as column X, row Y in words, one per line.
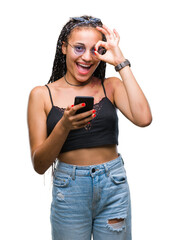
column 112, row 34
column 100, row 52
column 102, row 30
column 100, row 44
column 68, row 108
column 83, row 122
column 74, row 108
column 108, row 30
column 98, row 56
column 116, row 34
column 107, row 34
column 82, row 116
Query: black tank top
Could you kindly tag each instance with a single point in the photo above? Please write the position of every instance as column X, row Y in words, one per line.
column 102, row 130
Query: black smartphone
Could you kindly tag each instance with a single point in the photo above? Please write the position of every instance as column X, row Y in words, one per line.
column 89, row 101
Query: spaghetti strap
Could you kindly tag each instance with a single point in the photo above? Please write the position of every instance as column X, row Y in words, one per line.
column 50, row 94
column 103, row 88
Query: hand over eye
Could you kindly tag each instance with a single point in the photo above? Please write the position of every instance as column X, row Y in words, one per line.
column 113, row 54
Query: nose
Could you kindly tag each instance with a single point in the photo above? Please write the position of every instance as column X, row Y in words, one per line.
column 87, row 55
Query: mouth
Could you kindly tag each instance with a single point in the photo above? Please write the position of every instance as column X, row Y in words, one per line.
column 83, row 68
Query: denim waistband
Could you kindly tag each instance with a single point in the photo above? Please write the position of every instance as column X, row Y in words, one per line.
column 75, row 170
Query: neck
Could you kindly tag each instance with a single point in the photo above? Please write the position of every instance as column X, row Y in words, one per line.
column 76, row 85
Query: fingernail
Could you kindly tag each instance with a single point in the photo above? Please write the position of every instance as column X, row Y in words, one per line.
column 88, row 123
column 72, row 105
column 94, row 111
column 94, row 115
column 83, row 104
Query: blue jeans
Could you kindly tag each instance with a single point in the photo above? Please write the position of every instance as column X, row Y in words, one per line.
column 85, row 198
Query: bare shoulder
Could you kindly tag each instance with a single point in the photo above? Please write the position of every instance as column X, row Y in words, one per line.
column 113, row 84
column 113, row 81
column 36, row 108
column 38, row 95
column 38, row 92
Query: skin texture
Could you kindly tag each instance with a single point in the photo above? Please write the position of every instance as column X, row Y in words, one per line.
column 125, row 93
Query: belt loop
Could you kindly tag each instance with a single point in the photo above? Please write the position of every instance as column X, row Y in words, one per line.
column 122, row 160
column 54, row 167
column 106, row 169
column 73, row 173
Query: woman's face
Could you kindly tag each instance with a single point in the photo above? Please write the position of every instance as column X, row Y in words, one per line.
column 81, row 61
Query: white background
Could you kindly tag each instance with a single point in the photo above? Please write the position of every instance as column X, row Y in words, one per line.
column 149, row 39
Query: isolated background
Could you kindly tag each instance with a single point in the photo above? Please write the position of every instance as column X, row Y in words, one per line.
column 149, row 39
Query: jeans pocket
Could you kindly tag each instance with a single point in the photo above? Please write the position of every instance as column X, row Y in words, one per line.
column 118, row 176
column 118, row 179
column 61, row 179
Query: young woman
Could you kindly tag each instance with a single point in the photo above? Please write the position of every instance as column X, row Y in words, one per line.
column 90, row 189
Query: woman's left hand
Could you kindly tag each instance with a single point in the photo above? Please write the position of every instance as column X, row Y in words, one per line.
column 113, row 53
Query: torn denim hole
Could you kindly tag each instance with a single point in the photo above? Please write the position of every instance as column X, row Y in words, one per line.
column 60, row 196
column 118, row 225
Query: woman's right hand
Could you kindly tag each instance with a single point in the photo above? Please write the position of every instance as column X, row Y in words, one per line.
column 72, row 121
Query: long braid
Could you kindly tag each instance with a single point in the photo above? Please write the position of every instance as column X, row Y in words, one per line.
column 59, row 66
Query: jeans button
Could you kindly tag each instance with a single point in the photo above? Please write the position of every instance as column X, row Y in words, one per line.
column 93, row 170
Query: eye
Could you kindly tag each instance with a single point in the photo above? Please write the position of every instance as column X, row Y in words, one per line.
column 79, row 49
column 101, row 50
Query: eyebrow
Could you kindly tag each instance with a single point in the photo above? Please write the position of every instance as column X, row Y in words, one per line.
column 80, row 43
column 83, row 44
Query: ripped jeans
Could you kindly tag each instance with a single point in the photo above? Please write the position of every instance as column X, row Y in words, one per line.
column 91, row 200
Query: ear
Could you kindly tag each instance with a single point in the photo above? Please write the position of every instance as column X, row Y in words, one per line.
column 64, row 48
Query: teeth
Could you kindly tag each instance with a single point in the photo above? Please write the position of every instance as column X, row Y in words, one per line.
column 86, row 66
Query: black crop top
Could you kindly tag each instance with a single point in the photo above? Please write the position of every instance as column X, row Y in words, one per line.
column 102, row 130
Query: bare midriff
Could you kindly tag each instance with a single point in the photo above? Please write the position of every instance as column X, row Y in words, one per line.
column 90, row 156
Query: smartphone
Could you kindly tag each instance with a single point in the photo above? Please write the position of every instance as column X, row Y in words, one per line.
column 89, row 101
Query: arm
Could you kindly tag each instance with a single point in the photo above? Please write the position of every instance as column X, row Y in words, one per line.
column 128, row 96
column 44, row 150
column 130, row 99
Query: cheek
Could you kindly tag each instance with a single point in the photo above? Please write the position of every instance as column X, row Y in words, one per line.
column 70, row 59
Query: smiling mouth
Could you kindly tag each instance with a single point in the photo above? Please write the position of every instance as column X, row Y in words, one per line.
column 83, row 68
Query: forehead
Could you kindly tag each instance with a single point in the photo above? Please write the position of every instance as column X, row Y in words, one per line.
column 85, row 35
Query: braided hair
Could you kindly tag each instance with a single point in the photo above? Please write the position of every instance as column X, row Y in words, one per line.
column 59, row 66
